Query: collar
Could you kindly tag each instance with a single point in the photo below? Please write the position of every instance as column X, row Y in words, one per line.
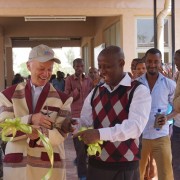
column 34, row 87
column 126, row 81
column 160, row 77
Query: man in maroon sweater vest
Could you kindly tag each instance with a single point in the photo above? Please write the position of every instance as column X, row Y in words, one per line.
column 118, row 110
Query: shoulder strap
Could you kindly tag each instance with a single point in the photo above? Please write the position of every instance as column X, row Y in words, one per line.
column 136, row 84
column 94, row 92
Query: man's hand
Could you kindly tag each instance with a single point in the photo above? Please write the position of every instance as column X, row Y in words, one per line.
column 67, row 127
column 39, row 119
column 161, row 120
column 89, row 136
column 34, row 135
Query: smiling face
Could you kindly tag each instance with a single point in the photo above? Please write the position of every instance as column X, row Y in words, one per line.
column 153, row 63
column 140, row 68
column 78, row 66
column 40, row 72
column 111, row 69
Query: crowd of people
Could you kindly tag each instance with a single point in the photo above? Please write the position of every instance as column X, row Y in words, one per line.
column 128, row 111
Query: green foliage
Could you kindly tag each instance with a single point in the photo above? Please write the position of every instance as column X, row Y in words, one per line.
column 70, row 55
column 23, row 70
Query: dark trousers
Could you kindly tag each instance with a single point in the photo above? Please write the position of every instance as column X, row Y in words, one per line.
column 175, row 144
column 81, row 157
column 109, row 174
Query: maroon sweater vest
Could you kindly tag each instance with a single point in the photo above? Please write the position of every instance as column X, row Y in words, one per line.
column 110, row 109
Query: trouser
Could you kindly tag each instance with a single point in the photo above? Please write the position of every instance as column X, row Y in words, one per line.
column 95, row 173
column 160, row 150
column 81, row 157
column 175, row 144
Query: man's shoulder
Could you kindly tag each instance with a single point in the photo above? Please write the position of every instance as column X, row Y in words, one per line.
column 8, row 92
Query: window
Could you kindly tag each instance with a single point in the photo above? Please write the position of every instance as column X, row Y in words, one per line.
column 145, row 36
column 112, row 35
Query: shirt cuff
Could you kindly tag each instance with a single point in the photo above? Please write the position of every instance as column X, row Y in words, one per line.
column 105, row 134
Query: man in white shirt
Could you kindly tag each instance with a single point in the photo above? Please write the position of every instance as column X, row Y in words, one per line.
column 156, row 140
column 118, row 110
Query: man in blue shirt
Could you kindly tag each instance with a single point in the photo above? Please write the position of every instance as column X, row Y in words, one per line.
column 156, row 141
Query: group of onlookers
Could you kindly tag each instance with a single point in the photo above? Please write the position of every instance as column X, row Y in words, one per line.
column 128, row 112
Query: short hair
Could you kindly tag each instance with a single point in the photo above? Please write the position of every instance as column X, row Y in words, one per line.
column 77, row 60
column 139, row 62
column 153, row 51
column 112, row 50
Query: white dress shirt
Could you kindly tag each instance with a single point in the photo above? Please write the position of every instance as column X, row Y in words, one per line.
column 36, row 91
column 137, row 118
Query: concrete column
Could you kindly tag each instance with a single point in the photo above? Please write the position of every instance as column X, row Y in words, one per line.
column 2, row 74
column 9, row 66
column 128, row 45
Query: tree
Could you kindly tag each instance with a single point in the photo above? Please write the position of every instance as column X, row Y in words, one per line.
column 23, row 70
column 70, row 55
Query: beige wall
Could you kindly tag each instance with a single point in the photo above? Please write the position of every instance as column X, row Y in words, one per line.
column 2, row 72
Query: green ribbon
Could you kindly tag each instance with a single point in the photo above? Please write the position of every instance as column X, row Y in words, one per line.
column 94, row 148
column 11, row 126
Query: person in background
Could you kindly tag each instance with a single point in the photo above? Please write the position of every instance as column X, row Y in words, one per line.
column 59, row 82
column 175, row 140
column 36, row 103
column 17, row 79
column 140, row 68
column 94, row 75
column 118, row 110
column 53, row 76
column 79, row 86
column 156, row 141
column 133, row 67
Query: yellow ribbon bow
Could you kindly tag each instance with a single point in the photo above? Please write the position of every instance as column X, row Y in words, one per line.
column 11, row 126
column 93, row 149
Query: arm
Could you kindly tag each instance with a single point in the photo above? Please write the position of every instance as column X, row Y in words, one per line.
column 177, row 97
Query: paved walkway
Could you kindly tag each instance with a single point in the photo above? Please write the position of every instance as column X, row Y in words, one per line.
column 71, row 172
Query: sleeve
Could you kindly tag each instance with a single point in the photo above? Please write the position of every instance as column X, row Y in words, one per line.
column 177, row 97
column 6, row 111
column 137, row 119
column 86, row 112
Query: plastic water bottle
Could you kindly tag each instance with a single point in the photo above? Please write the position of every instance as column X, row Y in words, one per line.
column 156, row 125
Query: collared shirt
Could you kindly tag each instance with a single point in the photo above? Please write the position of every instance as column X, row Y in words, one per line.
column 162, row 94
column 137, row 118
column 36, row 91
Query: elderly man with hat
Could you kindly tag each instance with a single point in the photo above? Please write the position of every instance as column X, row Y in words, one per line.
column 38, row 103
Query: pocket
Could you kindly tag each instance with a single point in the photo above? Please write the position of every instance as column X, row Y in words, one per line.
column 13, row 158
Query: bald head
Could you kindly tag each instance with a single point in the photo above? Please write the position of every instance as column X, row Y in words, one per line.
column 114, row 51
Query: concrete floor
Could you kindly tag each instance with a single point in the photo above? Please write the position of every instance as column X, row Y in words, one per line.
column 71, row 172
